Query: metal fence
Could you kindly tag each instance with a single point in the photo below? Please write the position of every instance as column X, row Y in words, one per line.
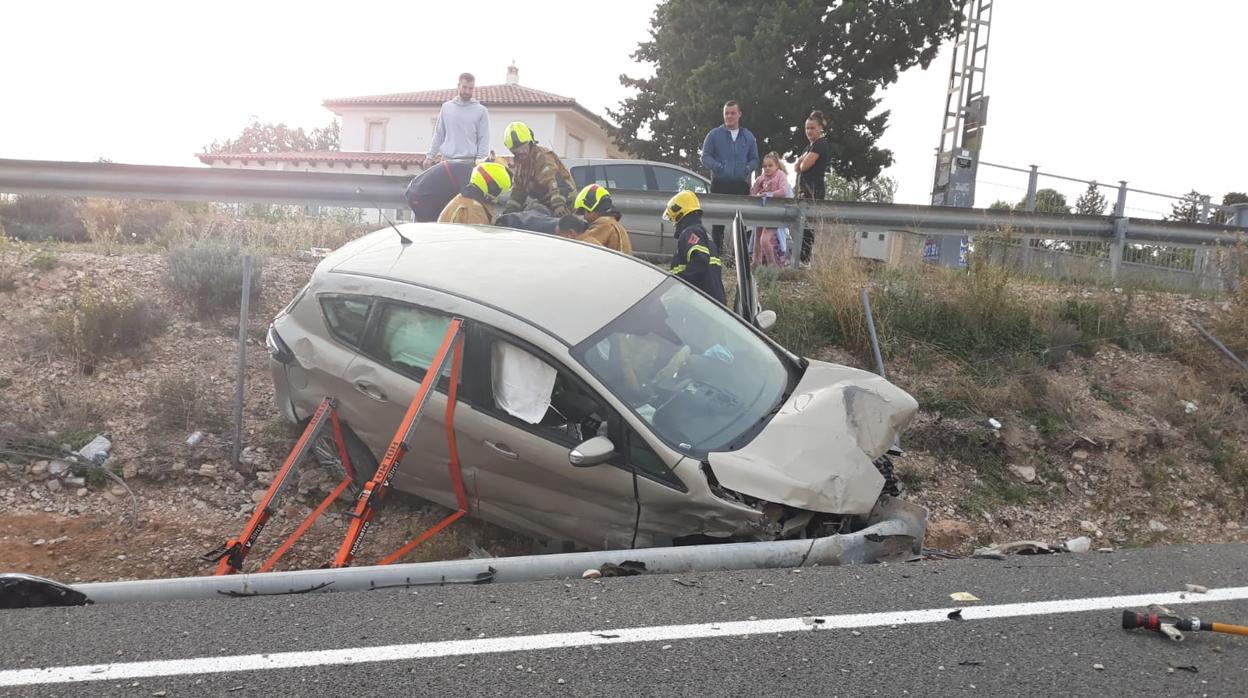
column 1117, row 243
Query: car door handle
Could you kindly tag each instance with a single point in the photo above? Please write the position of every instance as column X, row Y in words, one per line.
column 370, row 391
column 503, row 451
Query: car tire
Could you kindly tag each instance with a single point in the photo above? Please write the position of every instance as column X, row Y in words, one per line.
column 363, row 462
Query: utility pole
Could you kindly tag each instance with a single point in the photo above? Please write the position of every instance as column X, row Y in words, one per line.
column 961, row 135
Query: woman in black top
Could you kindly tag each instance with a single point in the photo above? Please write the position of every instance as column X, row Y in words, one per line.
column 812, row 167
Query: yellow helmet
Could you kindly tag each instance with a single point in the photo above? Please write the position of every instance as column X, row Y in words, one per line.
column 594, row 197
column 680, row 205
column 491, row 178
column 517, row 133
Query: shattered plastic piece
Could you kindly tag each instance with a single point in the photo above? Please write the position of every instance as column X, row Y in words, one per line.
column 1098, row 667
column 1019, row 547
column 194, row 438
column 988, row 554
column 955, row 615
column 96, row 450
column 591, row 574
column 28, row 591
column 963, row 596
column 1191, row 669
column 1082, row 544
column 994, row 423
column 1196, row 588
column 1188, row 406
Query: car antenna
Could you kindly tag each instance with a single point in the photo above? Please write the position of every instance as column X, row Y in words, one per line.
column 403, row 239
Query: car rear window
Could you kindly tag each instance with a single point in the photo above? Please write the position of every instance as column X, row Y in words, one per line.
column 346, row 317
column 669, row 179
column 624, row 177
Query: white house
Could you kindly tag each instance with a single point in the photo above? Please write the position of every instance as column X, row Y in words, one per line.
column 390, row 134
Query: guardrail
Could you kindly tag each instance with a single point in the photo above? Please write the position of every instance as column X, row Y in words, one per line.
column 386, row 191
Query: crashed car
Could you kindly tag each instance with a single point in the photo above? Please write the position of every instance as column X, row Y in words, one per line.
column 602, row 401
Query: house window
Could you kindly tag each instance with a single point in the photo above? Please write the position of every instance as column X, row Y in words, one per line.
column 375, row 135
column 576, row 146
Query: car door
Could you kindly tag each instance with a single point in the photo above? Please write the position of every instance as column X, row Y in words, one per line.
column 537, row 411
column 399, row 346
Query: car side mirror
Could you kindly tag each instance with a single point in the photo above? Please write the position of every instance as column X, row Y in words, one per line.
column 766, row 319
column 592, row 452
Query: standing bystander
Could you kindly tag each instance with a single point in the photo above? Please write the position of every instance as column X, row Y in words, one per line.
column 774, row 181
column 730, row 153
column 463, row 129
column 812, row 168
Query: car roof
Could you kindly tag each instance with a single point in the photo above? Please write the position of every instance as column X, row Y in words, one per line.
column 578, row 162
column 568, row 288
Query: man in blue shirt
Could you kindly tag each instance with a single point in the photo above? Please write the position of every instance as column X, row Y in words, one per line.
column 730, row 154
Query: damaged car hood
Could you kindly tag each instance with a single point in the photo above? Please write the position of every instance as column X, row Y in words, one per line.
column 818, row 451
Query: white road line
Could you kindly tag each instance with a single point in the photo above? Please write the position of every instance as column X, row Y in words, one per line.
column 452, row 648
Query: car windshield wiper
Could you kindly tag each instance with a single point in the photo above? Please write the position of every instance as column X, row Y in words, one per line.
column 758, row 424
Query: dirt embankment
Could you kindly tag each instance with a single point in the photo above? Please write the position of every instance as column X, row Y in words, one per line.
column 1114, row 452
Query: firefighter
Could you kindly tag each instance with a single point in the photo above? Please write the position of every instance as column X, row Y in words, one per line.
column 539, row 174
column 697, row 258
column 474, row 205
column 594, row 202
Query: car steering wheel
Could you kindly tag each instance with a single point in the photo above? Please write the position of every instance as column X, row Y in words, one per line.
column 672, row 367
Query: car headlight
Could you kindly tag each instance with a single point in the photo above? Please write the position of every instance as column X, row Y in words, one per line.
column 277, row 348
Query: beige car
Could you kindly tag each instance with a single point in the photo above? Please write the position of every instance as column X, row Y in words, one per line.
column 602, row 401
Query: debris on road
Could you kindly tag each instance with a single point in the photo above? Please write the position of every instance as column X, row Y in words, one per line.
column 1196, row 588
column 1082, row 544
column 1191, row 669
column 998, row 551
column 955, row 615
column 964, row 596
column 1099, row 667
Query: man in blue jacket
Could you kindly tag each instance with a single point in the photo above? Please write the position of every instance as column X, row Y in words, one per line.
column 730, row 153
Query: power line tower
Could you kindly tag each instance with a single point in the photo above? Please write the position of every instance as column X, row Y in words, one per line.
column 966, row 112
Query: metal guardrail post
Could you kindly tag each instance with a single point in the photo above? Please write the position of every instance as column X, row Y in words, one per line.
column 1240, row 215
column 1033, row 181
column 799, row 235
column 242, row 361
column 1204, row 209
column 1116, row 248
column 1120, row 206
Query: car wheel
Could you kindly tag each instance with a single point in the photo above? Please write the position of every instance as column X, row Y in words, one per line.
column 363, row 462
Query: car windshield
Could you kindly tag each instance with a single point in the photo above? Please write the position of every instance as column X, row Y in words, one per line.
column 693, row 371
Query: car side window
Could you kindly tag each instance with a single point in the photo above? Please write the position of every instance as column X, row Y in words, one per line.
column 624, row 177
column 407, row 338
column 346, row 317
column 550, row 401
column 529, row 389
column 671, row 179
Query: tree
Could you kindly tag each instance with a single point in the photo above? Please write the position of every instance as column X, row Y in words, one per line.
column 879, row 190
column 1000, row 205
column 780, row 60
column 1047, row 201
column 277, row 138
column 1188, row 209
column 1091, row 202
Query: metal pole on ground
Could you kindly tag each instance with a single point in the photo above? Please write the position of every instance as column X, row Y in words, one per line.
column 1033, row 181
column 242, row 361
column 875, row 340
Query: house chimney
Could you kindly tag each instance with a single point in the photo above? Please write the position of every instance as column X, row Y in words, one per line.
column 513, row 74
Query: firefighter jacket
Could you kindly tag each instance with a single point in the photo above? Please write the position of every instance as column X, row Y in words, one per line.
column 697, row 257
column 467, row 210
column 607, row 231
column 542, row 177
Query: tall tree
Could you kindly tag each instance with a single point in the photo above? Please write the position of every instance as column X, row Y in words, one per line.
column 1047, row 201
column 1188, row 209
column 780, row 60
column 880, row 190
column 1091, row 202
column 259, row 137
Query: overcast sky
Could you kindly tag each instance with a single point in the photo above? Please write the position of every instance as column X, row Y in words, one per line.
column 1142, row 90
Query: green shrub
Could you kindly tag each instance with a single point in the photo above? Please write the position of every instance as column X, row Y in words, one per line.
column 210, row 275
column 43, row 218
column 144, row 221
column 43, row 260
column 95, row 323
column 182, row 403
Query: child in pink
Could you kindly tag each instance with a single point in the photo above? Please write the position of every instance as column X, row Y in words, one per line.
column 773, row 182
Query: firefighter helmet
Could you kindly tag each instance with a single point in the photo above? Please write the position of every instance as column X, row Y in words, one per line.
column 491, row 178
column 594, row 197
column 517, row 133
column 680, row 205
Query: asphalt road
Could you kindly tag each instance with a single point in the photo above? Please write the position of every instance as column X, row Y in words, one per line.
column 863, row 630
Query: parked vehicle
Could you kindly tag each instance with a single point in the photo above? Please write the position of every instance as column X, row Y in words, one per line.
column 602, row 401
column 651, row 238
